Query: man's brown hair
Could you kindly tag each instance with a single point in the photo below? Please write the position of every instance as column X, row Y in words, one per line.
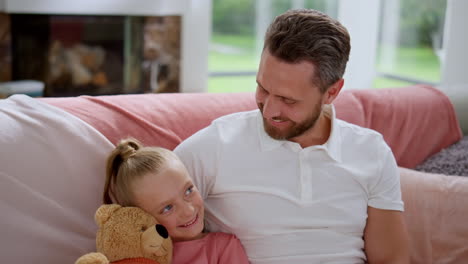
column 310, row 35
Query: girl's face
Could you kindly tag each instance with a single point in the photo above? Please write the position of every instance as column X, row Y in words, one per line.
column 173, row 200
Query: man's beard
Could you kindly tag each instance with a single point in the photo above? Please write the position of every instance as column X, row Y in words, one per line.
column 296, row 129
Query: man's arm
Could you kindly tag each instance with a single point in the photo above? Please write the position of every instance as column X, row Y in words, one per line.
column 385, row 237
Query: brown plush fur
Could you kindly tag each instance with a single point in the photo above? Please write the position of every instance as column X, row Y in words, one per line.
column 126, row 233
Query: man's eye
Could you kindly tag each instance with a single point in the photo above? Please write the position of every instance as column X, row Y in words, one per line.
column 289, row 101
column 166, row 209
column 262, row 90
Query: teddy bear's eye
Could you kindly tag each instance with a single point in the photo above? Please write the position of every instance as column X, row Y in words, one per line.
column 143, row 228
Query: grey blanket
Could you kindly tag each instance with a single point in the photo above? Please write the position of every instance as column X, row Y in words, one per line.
column 450, row 161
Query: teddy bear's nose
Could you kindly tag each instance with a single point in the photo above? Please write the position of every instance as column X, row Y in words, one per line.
column 162, row 231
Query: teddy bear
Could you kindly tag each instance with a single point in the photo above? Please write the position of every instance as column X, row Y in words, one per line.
column 128, row 235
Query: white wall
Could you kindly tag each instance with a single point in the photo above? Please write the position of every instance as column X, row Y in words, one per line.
column 455, row 59
column 361, row 18
column 196, row 36
column 455, row 46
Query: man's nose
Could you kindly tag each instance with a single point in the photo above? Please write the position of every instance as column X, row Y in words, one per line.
column 271, row 107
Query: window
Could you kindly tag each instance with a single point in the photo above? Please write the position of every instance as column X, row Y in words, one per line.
column 408, row 40
column 238, row 27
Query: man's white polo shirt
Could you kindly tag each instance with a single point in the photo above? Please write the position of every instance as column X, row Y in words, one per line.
column 285, row 203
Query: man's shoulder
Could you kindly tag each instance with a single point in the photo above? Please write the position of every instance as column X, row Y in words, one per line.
column 358, row 136
column 230, row 127
column 236, row 126
column 350, row 129
column 237, row 117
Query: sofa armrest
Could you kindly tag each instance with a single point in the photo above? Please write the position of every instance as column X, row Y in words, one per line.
column 435, row 213
column 415, row 121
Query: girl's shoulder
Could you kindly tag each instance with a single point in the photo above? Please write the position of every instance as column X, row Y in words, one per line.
column 221, row 236
column 214, row 247
column 209, row 238
column 228, row 247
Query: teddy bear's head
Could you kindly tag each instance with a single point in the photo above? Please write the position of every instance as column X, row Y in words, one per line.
column 129, row 232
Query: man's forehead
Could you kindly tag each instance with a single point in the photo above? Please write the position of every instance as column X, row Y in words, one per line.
column 274, row 72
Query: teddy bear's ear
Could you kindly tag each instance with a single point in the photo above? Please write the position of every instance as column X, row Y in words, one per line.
column 104, row 212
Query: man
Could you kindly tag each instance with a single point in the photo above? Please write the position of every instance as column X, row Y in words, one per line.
column 295, row 184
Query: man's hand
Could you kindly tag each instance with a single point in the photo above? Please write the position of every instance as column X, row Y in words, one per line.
column 385, row 237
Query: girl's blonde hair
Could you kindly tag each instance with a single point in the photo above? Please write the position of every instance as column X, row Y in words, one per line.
column 129, row 161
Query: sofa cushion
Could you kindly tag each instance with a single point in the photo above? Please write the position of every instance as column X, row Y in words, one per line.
column 435, row 214
column 52, row 169
column 416, row 121
column 154, row 119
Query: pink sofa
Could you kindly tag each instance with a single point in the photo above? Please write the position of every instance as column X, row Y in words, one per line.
column 52, row 165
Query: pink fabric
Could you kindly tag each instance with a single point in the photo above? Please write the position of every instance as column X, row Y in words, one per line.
column 416, row 121
column 155, row 119
column 436, row 213
column 214, row 248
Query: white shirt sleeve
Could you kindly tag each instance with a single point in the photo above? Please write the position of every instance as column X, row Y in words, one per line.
column 385, row 189
column 199, row 153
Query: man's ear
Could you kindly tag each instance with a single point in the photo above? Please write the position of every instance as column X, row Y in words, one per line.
column 333, row 91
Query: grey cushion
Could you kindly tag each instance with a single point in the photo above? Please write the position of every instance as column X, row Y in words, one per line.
column 450, row 161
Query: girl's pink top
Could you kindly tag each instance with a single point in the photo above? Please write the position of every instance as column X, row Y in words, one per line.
column 214, row 248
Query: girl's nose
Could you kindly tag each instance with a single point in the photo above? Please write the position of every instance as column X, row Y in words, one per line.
column 188, row 210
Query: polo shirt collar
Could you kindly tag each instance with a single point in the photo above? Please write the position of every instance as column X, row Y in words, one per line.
column 332, row 146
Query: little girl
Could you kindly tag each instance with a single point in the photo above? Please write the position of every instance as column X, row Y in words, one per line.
column 155, row 180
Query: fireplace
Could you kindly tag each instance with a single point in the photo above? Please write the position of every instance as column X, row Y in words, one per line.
column 93, row 55
column 173, row 51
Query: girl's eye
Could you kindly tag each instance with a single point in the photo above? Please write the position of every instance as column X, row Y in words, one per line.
column 166, row 209
column 189, row 190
